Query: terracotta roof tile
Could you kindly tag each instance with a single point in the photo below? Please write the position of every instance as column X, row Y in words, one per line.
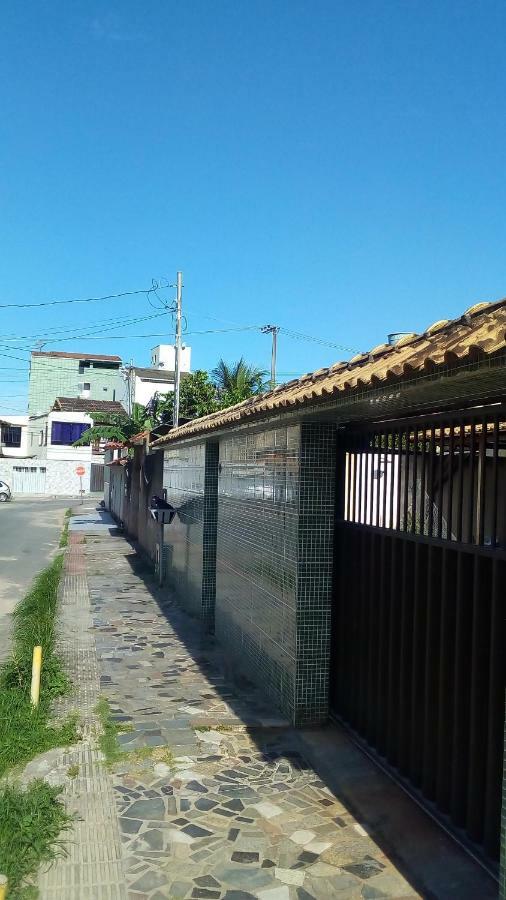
column 481, row 330
column 85, row 405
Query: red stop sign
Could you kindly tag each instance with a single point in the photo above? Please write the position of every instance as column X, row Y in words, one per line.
column 80, row 470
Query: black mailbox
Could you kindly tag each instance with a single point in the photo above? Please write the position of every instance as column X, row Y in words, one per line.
column 161, row 511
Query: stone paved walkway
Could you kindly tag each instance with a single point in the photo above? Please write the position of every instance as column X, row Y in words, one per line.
column 233, row 810
column 213, row 796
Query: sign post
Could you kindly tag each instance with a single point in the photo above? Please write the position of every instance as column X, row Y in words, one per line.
column 81, row 471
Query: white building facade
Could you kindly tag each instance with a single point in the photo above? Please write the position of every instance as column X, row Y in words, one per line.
column 158, row 378
column 14, row 436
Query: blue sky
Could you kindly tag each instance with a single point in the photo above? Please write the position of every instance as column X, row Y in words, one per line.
column 336, row 168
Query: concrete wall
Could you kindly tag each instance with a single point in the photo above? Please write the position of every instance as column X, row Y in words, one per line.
column 250, row 553
column 190, row 475
column 116, row 494
column 151, row 482
column 274, row 562
column 59, row 477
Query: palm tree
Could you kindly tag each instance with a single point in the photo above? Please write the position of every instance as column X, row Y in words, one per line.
column 237, row 382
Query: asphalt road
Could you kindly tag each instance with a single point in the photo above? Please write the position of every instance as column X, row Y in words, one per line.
column 29, row 534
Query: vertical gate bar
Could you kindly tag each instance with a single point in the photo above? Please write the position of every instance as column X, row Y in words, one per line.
column 418, row 658
column 493, row 523
column 406, row 482
column 384, row 479
column 414, row 529
column 432, row 448
column 353, row 607
column 401, row 689
column 353, row 479
column 460, row 741
column 371, row 478
column 423, row 463
column 495, row 732
column 481, row 485
column 372, row 681
column 482, row 584
column 383, row 632
column 345, row 487
column 441, row 481
column 399, row 479
column 460, row 483
column 449, row 511
column 363, row 649
column 393, row 605
column 378, row 478
column 470, row 489
column 445, row 681
column 358, row 517
column 344, row 623
column 431, row 670
column 392, row 477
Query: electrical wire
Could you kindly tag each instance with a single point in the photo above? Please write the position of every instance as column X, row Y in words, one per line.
column 144, row 291
column 297, row 335
column 121, row 322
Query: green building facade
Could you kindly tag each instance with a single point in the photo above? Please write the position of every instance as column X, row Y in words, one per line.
column 54, row 374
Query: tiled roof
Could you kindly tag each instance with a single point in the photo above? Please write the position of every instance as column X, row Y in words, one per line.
column 99, row 357
column 139, row 438
column 480, row 331
column 81, row 404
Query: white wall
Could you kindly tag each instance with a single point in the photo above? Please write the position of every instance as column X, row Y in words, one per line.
column 164, row 357
column 145, row 389
column 17, row 452
column 60, row 475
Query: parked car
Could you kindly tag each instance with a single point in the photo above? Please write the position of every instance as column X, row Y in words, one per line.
column 5, row 492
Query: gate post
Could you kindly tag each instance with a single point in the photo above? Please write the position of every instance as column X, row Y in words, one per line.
column 502, row 874
column 314, row 572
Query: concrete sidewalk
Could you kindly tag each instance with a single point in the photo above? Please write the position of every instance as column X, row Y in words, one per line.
column 216, row 796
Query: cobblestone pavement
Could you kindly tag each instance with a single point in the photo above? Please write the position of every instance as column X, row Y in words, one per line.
column 213, row 796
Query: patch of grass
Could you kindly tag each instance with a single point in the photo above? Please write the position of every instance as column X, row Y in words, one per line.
column 25, row 732
column 73, row 771
column 31, row 821
column 108, row 741
column 110, row 747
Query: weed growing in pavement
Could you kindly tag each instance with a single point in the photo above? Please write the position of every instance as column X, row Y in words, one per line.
column 31, row 821
column 109, row 744
column 26, row 731
column 108, row 741
column 64, row 539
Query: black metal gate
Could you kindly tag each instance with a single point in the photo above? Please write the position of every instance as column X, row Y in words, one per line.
column 418, row 624
column 97, row 477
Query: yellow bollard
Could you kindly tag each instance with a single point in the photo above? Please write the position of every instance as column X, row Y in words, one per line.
column 3, row 887
column 35, row 688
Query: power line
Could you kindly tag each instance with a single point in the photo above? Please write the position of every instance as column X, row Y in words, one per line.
column 145, row 291
column 297, row 335
column 121, row 322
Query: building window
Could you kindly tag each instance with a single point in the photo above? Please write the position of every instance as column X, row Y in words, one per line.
column 67, row 432
column 11, row 435
column 86, row 386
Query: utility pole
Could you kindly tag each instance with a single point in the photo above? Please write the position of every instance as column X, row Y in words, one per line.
column 177, row 367
column 274, row 330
